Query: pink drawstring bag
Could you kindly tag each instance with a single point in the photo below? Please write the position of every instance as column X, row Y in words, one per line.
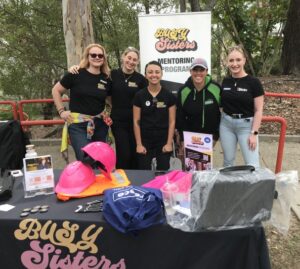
column 183, row 181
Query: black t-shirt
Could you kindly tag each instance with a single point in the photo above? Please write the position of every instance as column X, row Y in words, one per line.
column 124, row 88
column 87, row 91
column 154, row 110
column 238, row 95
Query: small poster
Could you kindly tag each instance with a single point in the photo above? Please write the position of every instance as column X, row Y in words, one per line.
column 38, row 176
column 198, row 151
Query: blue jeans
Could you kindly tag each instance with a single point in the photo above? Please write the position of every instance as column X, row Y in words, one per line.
column 233, row 131
column 78, row 135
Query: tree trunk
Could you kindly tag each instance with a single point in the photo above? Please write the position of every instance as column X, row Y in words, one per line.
column 182, row 5
column 210, row 5
column 290, row 56
column 147, row 6
column 195, row 6
column 78, row 28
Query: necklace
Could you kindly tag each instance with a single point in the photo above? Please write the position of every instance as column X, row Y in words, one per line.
column 127, row 76
column 235, row 81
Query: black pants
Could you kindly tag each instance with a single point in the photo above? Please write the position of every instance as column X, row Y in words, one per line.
column 154, row 141
column 125, row 146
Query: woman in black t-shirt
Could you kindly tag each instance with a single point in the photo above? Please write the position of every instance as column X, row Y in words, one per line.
column 154, row 120
column 86, row 120
column 242, row 103
column 126, row 81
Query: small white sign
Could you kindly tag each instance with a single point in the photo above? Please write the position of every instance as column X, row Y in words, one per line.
column 6, row 207
column 38, row 176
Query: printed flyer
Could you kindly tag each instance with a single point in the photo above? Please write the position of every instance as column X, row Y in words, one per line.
column 38, row 175
column 198, row 151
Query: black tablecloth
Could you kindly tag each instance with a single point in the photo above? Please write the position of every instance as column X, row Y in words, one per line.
column 61, row 238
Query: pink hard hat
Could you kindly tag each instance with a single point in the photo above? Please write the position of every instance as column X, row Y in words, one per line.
column 103, row 155
column 75, row 178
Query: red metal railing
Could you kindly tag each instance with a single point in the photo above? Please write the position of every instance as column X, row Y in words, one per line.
column 283, row 95
column 27, row 122
column 40, row 122
column 13, row 108
column 281, row 141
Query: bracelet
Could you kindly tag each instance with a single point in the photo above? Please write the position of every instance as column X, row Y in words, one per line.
column 61, row 110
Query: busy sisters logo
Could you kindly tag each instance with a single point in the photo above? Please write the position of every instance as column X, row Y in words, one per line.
column 48, row 239
column 197, row 140
column 175, row 39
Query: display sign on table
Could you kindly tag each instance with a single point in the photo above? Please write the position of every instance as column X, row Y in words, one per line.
column 38, row 176
column 198, row 151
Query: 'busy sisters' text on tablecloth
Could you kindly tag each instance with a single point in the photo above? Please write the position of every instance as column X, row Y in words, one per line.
column 45, row 238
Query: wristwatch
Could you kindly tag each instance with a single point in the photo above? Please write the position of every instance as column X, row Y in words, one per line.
column 254, row 132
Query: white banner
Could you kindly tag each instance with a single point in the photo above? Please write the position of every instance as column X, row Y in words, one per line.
column 175, row 40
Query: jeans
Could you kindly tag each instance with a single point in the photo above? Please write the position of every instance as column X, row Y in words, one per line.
column 233, row 131
column 78, row 135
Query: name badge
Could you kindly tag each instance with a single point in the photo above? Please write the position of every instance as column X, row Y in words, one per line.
column 161, row 104
column 101, row 86
column 209, row 102
column 242, row 90
column 103, row 81
column 132, row 84
column 226, row 89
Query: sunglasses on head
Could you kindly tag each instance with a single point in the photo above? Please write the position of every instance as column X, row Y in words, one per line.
column 99, row 55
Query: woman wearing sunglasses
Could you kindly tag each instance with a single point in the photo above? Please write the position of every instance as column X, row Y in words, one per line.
column 198, row 103
column 126, row 82
column 154, row 120
column 86, row 121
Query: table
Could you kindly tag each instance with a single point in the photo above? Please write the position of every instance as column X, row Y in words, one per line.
column 62, row 238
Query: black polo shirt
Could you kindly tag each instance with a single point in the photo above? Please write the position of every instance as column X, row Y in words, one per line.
column 124, row 88
column 154, row 110
column 238, row 95
column 87, row 91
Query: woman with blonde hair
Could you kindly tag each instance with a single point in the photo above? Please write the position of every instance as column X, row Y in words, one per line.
column 242, row 103
column 89, row 89
column 126, row 82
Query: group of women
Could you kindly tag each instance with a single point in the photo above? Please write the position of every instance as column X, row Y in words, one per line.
column 144, row 114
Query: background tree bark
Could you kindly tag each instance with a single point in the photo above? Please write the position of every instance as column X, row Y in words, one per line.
column 182, row 5
column 78, row 28
column 290, row 56
column 195, row 6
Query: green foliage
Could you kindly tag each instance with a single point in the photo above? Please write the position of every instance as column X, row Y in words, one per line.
column 115, row 26
column 32, row 50
column 32, row 45
column 257, row 25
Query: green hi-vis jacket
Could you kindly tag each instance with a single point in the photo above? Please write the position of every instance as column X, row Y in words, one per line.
column 198, row 111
